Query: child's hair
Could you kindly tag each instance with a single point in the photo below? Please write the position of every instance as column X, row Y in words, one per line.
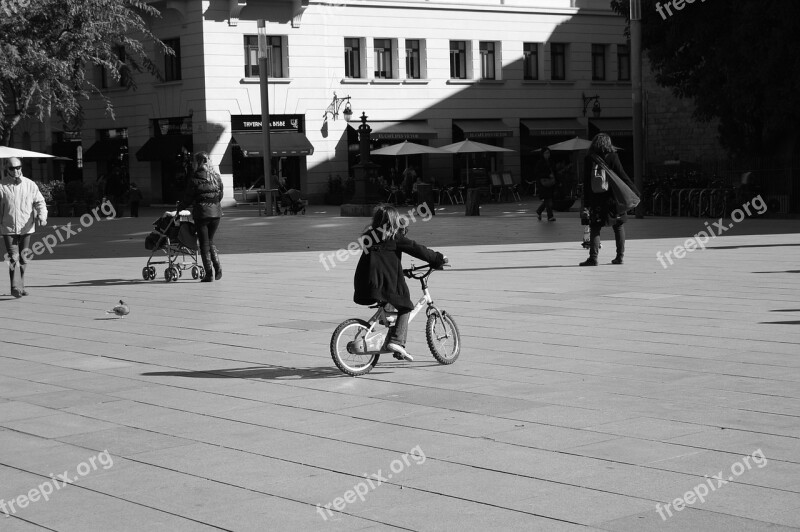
column 388, row 218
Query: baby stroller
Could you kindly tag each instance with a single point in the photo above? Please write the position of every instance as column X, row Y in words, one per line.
column 291, row 202
column 174, row 234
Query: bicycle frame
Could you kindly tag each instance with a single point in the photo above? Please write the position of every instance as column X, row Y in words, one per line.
column 382, row 317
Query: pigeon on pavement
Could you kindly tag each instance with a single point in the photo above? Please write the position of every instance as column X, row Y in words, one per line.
column 120, row 310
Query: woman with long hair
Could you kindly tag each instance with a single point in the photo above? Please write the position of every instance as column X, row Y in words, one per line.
column 203, row 194
column 601, row 204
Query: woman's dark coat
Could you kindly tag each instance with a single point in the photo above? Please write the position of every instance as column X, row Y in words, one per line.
column 602, row 207
column 542, row 170
column 379, row 274
column 204, row 191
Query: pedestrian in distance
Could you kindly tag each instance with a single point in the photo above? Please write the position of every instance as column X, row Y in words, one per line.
column 379, row 274
column 203, row 194
column 546, row 183
column 599, row 198
column 22, row 207
column 134, row 198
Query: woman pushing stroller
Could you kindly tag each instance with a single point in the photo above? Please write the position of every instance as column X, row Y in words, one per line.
column 203, row 194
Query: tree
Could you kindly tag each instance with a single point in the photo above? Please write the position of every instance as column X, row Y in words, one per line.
column 50, row 48
column 737, row 60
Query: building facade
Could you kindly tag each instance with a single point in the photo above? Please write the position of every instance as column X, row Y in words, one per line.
column 519, row 74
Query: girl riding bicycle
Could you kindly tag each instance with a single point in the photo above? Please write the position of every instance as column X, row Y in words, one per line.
column 379, row 274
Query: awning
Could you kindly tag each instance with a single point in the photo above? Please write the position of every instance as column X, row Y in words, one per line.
column 614, row 127
column 553, row 127
column 164, row 148
column 106, row 150
column 483, row 128
column 406, row 130
column 281, row 144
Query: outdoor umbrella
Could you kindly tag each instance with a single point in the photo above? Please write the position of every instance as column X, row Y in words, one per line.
column 6, row 153
column 575, row 144
column 470, row 146
column 406, row 148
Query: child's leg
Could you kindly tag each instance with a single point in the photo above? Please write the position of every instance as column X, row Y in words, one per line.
column 398, row 333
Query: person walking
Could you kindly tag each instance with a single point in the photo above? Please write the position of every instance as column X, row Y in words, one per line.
column 379, row 273
column 203, row 193
column 546, row 182
column 600, row 203
column 134, row 198
column 22, row 206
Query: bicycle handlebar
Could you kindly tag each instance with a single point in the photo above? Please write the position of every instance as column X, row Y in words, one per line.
column 409, row 272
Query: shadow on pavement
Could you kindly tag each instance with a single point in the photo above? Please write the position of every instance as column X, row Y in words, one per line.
column 254, row 373
column 96, row 282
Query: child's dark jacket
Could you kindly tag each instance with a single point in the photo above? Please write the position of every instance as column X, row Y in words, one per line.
column 379, row 274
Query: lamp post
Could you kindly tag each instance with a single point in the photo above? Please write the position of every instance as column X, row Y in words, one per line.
column 636, row 86
column 263, row 74
column 596, row 109
column 362, row 202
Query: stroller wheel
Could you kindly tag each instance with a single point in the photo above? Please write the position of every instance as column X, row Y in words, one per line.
column 152, row 272
column 195, row 272
column 146, row 273
column 202, row 272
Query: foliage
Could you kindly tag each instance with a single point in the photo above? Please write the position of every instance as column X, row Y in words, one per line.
column 49, row 51
column 52, row 191
column 79, row 192
column 339, row 190
column 737, row 61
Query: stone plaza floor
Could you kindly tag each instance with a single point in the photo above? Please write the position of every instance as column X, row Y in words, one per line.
column 621, row 398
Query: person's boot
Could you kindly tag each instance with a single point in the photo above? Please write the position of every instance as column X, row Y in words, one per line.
column 208, row 267
column 594, row 250
column 215, row 261
column 619, row 237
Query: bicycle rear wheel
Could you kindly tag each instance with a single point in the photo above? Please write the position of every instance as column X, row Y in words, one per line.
column 346, row 343
column 444, row 340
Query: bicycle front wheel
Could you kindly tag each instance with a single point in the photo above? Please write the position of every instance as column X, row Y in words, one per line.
column 443, row 337
column 348, row 347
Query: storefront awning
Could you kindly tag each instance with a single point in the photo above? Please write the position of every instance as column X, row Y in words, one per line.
column 281, row 144
column 553, row 127
column 106, row 150
column 406, row 130
column 164, row 148
column 614, row 127
column 473, row 129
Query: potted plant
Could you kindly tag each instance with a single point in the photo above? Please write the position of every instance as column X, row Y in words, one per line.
column 59, row 195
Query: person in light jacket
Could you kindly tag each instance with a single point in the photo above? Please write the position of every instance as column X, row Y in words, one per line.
column 21, row 208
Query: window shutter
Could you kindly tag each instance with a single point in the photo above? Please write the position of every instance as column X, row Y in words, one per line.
column 396, row 68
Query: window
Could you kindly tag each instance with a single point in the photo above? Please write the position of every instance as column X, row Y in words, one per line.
column 352, row 58
column 124, row 71
column 598, row 62
column 530, row 60
column 275, row 51
column 488, row 58
column 172, row 62
column 383, row 58
column 558, row 61
column 623, row 62
column 458, row 60
column 413, row 58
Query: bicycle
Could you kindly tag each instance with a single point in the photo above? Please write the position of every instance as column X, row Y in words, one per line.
column 356, row 345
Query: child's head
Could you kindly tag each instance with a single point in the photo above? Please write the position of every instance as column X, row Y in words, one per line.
column 386, row 221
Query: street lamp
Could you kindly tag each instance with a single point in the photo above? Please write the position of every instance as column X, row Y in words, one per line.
column 596, row 110
column 333, row 108
column 263, row 65
column 636, row 90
